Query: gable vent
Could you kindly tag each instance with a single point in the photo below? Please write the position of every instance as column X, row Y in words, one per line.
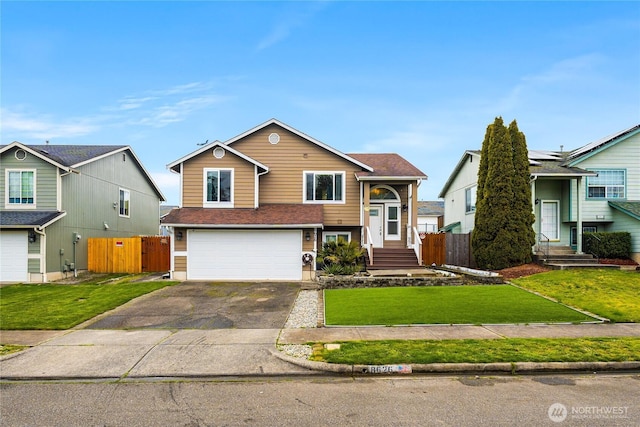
column 274, row 138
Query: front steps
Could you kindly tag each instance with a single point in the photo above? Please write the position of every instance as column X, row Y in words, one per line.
column 564, row 258
column 393, row 259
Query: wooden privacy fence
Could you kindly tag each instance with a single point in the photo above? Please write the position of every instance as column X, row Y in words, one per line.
column 447, row 248
column 140, row 254
column 433, row 249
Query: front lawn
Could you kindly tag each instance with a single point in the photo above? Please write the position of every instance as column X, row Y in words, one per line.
column 442, row 305
column 614, row 294
column 482, row 351
column 57, row 306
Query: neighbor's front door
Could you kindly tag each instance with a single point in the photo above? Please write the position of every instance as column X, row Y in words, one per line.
column 551, row 219
column 376, row 225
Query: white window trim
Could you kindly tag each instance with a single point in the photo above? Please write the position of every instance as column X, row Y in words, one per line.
column 388, row 236
column 324, row 202
column 335, row 233
column 474, row 199
column 127, row 198
column 606, row 197
column 21, row 206
column 208, row 204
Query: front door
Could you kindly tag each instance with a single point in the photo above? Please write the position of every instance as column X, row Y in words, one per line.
column 551, row 219
column 376, row 225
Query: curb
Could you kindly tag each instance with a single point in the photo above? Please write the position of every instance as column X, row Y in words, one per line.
column 465, row 368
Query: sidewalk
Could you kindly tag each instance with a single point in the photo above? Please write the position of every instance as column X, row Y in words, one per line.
column 194, row 353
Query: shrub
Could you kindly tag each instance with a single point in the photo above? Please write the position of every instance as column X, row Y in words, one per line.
column 340, row 257
column 607, row 245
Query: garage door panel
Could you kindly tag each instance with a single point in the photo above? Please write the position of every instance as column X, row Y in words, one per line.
column 244, row 255
column 13, row 256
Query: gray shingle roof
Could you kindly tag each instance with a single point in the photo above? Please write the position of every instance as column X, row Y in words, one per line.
column 27, row 218
column 434, row 207
column 70, row 155
column 630, row 207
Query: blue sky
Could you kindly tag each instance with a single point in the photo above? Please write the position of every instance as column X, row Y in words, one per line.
column 422, row 79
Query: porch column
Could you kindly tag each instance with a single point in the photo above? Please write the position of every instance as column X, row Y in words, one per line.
column 533, row 207
column 578, row 216
column 366, row 204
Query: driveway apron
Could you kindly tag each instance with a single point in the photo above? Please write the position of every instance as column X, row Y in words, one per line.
column 204, row 305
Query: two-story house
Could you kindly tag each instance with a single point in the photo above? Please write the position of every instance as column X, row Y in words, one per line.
column 260, row 205
column 54, row 197
column 593, row 188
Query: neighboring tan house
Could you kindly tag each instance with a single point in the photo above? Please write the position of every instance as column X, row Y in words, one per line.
column 260, row 205
column 54, row 197
column 430, row 216
column 593, row 188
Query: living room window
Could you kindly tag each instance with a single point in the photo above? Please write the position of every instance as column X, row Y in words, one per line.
column 218, row 188
column 609, row 184
column 470, row 199
column 21, row 189
column 125, row 201
column 324, row 187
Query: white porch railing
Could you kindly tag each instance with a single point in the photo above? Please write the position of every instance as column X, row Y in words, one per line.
column 369, row 244
column 414, row 241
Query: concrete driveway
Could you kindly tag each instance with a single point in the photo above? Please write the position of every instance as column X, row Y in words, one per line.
column 205, row 305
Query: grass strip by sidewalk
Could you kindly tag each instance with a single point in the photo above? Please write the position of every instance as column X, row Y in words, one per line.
column 482, row 351
column 613, row 294
column 57, row 306
column 443, row 305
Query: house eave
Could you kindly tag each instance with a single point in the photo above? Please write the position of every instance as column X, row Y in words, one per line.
column 243, row 226
column 391, row 178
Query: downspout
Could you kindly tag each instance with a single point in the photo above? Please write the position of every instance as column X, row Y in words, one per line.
column 43, row 252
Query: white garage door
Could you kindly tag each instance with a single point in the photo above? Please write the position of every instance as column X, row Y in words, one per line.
column 13, row 256
column 244, row 255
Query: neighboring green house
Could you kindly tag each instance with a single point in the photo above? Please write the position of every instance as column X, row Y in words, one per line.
column 54, row 197
column 593, row 188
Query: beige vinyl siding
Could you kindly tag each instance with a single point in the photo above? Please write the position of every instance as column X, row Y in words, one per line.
column 287, row 160
column 455, row 201
column 180, row 263
column 243, row 179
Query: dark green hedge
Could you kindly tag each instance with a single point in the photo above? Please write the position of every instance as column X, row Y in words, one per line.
column 607, row 245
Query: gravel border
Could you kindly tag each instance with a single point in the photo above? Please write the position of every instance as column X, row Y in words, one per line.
column 303, row 315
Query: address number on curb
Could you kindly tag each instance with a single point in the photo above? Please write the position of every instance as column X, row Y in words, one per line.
column 388, row 369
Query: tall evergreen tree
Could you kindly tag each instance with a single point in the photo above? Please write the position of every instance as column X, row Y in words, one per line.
column 502, row 233
column 522, row 214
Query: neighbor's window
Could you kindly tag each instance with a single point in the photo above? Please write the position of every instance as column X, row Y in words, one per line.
column 609, row 184
column 470, row 199
column 125, row 199
column 218, row 187
column 22, row 187
column 324, row 186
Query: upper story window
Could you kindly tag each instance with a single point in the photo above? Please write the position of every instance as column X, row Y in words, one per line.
column 125, row 201
column 470, row 199
column 324, row 187
column 21, row 191
column 609, row 184
column 218, row 187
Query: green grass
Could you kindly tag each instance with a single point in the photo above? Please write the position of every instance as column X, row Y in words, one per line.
column 442, row 305
column 57, row 306
column 612, row 294
column 10, row 348
column 482, row 351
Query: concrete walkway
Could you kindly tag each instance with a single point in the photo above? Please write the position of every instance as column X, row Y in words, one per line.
column 195, row 353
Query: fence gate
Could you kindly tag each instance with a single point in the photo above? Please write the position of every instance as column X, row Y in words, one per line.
column 141, row 254
column 433, row 249
column 156, row 254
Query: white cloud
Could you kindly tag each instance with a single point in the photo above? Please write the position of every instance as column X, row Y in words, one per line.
column 45, row 126
column 288, row 23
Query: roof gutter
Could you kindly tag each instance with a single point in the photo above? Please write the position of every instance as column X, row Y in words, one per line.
column 243, row 226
